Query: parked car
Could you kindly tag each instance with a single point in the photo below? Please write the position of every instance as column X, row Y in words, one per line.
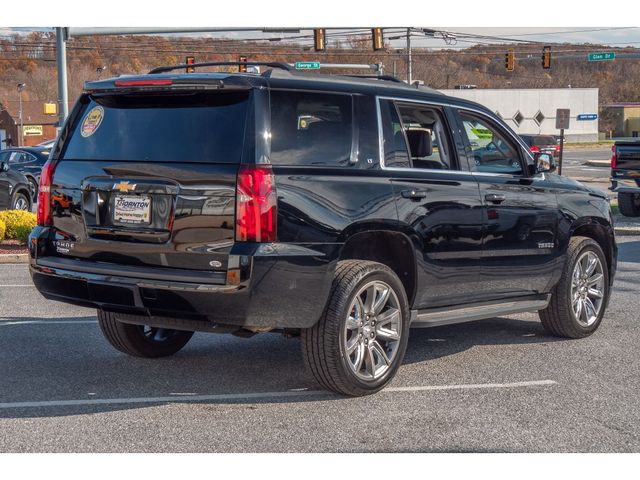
column 625, row 176
column 542, row 144
column 47, row 144
column 28, row 161
column 14, row 187
column 311, row 205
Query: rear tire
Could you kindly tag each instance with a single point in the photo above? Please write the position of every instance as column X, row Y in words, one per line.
column 560, row 317
column 629, row 204
column 359, row 343
column 141, row 340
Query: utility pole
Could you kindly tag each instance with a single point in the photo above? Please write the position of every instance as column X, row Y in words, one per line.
column 409, row 55
column 61, row 63
column 21, row 134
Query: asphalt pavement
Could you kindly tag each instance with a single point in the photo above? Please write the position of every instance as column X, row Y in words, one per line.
column 574, row 160
column 492, row 385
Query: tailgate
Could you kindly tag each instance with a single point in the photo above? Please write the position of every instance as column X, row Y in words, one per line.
column 149, row 179
column 123, row 213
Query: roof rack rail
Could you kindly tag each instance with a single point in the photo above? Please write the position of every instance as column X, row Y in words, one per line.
column 388, row 78
column 170, row 68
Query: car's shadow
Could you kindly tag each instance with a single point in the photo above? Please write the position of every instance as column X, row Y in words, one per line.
column 71, row 361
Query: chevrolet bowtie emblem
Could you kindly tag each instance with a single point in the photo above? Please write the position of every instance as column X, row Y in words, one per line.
column 124, row 186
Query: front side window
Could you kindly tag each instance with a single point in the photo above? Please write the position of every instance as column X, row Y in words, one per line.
column 426, row 135
column 492, row 152
column 310, row 128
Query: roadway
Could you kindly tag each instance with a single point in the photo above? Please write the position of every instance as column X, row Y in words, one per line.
column 493, row 385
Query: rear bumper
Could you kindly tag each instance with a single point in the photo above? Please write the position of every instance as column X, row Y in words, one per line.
column 280, row 286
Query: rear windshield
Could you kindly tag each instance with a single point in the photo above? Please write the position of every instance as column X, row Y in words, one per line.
column 541, row 141
column 176, row 127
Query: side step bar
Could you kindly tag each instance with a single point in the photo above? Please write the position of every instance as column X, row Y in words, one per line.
column 468, row 313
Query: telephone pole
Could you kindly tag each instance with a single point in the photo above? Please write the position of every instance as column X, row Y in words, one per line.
column 409, row 55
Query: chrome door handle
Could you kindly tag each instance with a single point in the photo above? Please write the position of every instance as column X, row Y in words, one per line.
column 495, row 197
column 414, row 194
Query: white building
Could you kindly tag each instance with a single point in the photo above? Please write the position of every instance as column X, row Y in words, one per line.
column 533, row 110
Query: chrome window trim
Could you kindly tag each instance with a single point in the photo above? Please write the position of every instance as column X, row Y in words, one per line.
column 433, row 170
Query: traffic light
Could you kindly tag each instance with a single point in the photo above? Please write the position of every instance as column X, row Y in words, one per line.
column 509, row 60
column 319, row 39
column 378, row 39
column 190, row 61
column 242, row 68
column 546, row 57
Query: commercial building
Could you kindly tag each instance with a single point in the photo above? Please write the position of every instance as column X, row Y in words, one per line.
column 625, row 118
column 37, row 127
column 533, row 110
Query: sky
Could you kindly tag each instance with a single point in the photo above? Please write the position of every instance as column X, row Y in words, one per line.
column 614, row 36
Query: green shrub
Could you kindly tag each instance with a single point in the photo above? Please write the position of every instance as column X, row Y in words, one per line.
column 3, row 227
column 18, row 223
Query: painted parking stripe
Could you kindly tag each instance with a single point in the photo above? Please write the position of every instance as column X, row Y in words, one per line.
column 29, row 285
column 258, row 395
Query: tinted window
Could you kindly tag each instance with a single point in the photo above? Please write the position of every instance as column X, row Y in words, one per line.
column 425, row 131
column 310, row 128
column 396, row 153
column 539, row 141
column 492, row 152
column 181, row 127
column 4, row 156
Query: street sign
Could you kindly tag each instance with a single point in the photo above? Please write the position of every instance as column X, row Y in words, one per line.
column 596, row 57
column 587, row 116
column 307, row 65
column 562, row 118
column 32, row 130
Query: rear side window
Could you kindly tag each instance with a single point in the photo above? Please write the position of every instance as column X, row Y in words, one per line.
column 206, row 127
column 310, row 128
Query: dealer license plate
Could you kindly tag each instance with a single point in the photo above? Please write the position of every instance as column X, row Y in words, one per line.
column 134, row 209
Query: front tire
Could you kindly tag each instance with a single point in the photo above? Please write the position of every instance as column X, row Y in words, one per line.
column 141, row 340
column 579, row 299
column 20, row 202
column 629, row 204
column 359, row 343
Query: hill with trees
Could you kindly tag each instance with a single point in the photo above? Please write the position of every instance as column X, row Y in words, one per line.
column 31, row 59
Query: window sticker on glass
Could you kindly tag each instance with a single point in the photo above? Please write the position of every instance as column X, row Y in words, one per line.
column 92, row 121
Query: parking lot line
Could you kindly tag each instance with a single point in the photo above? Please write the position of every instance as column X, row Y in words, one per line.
column 29, row 285
column 258, row 395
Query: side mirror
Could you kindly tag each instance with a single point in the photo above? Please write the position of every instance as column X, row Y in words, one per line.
column 419, row 142
column 545, row 163
column 4, row 167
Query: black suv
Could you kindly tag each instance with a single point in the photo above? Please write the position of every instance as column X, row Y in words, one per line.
column 343, row 210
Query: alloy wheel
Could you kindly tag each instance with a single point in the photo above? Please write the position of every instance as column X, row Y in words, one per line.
column 21, row 204
column 587, row 288
column 372, row 332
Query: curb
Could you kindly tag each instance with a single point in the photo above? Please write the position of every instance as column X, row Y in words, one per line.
column 598, row 163
column 14, row 258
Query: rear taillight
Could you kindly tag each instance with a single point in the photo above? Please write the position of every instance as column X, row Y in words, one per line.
column 534, row 149
column 614, row 157
column 44, row 194
column 256, row 204
column 557, row 147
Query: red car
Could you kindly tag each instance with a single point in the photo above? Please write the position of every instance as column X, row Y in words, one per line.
column 542, row 144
